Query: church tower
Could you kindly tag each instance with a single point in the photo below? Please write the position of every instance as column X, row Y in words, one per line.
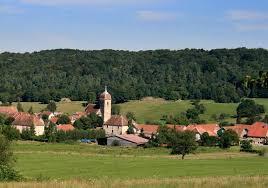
column 106, row 105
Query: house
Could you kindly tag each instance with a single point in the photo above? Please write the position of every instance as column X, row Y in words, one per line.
column 211, row 129
column 126, row 140
column 147, row 130
column 258, row 133
column 240, row 129
column 54, row 119
column 47, row 113
column 76, row 116
column 93, row 108
column 65, row 127
column 8, row 110
column 116, row 125
column 23, row 120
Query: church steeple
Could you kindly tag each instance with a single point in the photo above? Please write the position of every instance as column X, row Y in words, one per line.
column 106, row 105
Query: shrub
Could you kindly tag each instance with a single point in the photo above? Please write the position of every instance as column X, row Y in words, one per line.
column 262, row 152
column 246, row 145
column 8, row 174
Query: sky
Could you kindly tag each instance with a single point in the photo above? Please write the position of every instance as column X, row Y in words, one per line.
column 34, row 25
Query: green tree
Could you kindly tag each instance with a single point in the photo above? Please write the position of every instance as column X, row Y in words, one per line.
column 183, row 143
column 50, row 132
column 19, row 107
column 228, row 139
column 246, row 145
column 130, row 116
column 52, row 107
column 64, row 119
column 30, row 111
column 7, row 173
column 92, row 98
column 249, row 109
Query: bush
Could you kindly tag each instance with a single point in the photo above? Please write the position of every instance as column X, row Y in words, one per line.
column 246, row 145
column 262, row 152
column 228, row 139
column 8, row 174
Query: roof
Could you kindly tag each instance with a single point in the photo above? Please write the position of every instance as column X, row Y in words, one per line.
column 258, row 130
column 238, row 128
column 117, row 120
column 105, row 95
column 8, row 110
column 152, row 129
column 26, row 119
column 65, row 127
column 148, row 129
column 91, row 108
column 54, row 119
column 177, row 127
column 133, row 138
column 211, row 129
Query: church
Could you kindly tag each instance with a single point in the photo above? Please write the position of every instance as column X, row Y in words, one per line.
column 112, row 124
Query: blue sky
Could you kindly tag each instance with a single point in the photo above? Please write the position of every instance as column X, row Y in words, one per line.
column 33, row 25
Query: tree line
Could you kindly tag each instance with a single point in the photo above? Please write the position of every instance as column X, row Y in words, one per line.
column 181, row 74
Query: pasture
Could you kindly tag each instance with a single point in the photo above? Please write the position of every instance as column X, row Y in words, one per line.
column 154, row 109
column 82, row 161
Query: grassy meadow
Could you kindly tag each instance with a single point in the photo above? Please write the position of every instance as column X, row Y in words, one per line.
column 83, row 165
column 152, row 109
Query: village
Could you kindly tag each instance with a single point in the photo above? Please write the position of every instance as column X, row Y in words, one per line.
column 116, row 127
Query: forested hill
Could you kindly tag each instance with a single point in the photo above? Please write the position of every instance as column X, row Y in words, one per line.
column 185, row 74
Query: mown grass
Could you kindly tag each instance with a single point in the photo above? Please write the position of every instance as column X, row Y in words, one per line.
column 183, row 182
column 64, row 162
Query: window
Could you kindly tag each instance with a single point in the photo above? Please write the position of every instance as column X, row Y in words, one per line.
column 107, row 103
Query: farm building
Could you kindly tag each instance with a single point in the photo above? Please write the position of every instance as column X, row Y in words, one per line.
column 126, row 140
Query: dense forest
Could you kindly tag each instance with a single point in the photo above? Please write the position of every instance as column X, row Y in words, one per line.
column 183, row 74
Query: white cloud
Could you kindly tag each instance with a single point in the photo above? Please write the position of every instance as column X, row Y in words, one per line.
column 7, row 9
column 155, row 16
column 84, row 2
column 240, row 15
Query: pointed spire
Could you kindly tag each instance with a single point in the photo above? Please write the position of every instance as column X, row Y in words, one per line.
column 106, row 89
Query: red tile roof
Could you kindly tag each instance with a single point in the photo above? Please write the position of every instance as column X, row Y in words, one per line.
column 238, row 128
column 54, row 120
column 117, row 120
column 148, row 129
column 65, row 127
column 133, row 138
column 26, row 119
column 8, row 110
column 105, row 96
column 91, row 108
column 258, row 130
column 177, row 127
column 211, row 129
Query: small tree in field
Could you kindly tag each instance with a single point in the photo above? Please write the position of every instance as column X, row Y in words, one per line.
column 183, row 143
column 30, row 111
column 52, row 107
column 246, row 145
column 19, row 107
column 228, row 139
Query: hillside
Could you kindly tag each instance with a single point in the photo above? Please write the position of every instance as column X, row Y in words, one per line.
column 172, row 75
column 153, row 109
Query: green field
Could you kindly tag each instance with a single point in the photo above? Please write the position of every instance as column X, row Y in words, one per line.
column 152, row 110
column 63, row 161
column 84, row 165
